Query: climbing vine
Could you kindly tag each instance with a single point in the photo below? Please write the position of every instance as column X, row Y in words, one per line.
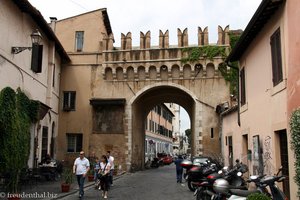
column 208, row 52
column 231, row 75
column 17, row 112
column 295, row 142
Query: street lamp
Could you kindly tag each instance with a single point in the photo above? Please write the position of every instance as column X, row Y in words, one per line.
column 36, row 38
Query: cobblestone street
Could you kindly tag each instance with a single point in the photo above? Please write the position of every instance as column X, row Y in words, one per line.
column 158, row 184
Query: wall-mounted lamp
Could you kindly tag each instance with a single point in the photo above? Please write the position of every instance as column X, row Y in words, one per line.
column 36, row 38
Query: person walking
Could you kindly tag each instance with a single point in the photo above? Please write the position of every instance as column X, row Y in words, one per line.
column 80, row 168
column 179, row 169
column 111, row 162
column 96, row 166
column 105, row 171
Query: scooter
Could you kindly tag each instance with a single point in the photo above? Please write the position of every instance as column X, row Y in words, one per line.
column 217, row 186
column 262, row 182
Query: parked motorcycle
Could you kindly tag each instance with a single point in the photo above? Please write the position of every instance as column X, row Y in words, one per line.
column 217, row 186
column 155, row 163
column 196, row 172
column 262, row 183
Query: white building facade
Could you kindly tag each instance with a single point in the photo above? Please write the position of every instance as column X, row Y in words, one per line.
column 35, row 69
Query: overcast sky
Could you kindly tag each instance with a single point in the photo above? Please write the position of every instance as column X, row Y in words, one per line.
column 154, row 15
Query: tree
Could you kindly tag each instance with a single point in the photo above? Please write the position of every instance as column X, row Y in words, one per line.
column 188, row 133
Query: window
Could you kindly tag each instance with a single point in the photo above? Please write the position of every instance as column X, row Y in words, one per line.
column 44, row 141
column 276, row 57
column 158, row 110
column 53, row 76
column 79, row 40
column 243, row 86
column 212, row 133
column 74, row 142
column 69, row 100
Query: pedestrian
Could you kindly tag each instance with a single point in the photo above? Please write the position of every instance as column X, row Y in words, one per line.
column 179, row 169
column 104, row 180
column 111, row 160
column 96, row 166
column 81, row 168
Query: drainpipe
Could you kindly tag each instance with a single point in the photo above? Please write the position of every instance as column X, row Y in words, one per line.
column 238, row 90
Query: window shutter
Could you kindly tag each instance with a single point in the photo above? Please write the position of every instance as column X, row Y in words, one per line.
column 243, row 87
column 66, row 100
column 72, row 100
column 275, row 43
column 37, row 58
column 79, row 143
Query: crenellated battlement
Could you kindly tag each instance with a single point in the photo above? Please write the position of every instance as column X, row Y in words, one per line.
column 183, row 39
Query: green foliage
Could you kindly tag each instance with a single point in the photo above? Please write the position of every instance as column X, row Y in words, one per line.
column 208, row 52
column 194, row 54
column 258, row 196
column 67, row 175
column 295, row 142
column 15, row 121
column 233, row 38
column 231, row 75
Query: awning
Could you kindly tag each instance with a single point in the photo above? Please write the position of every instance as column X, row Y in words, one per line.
column 43, row 110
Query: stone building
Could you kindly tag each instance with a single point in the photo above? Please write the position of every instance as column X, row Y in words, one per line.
column 108, row 91
column 159, row 131
column 34, row 67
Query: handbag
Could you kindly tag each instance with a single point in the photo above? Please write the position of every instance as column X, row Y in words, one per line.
column 101, row 176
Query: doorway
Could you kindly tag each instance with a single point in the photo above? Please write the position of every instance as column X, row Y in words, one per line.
column 284, row 157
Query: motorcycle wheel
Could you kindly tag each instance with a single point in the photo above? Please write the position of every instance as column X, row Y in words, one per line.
column 191, row 186
column 202, row 195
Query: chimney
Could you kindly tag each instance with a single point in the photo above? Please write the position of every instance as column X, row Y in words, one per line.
column 53, row 23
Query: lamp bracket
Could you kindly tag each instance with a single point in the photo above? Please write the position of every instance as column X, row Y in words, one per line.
column 16, row 50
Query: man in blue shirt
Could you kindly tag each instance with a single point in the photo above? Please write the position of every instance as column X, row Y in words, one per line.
column 179, row 169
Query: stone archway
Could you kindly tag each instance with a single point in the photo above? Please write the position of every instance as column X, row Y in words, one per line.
column 142, row 103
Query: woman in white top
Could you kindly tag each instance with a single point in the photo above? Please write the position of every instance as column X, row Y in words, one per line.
column 104, row 170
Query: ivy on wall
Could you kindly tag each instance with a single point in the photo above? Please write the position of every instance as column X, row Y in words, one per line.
column 17, row 112
column 207, row 52
column 295, row 142
column 194, row 54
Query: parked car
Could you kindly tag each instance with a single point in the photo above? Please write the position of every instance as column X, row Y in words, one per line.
column 167, row 160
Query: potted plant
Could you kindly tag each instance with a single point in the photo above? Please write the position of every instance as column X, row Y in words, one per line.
column 258, row 196
column 91, row 175
column 116, row 170
column 67, row 176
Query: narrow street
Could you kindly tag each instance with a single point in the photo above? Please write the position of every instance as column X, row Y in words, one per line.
column 152, row 184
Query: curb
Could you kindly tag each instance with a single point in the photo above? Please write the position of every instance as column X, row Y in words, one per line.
column 87, row 185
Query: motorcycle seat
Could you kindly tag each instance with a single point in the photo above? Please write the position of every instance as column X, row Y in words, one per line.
column 242, row 193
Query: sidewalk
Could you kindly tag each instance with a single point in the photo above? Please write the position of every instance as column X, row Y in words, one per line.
column 52, row 189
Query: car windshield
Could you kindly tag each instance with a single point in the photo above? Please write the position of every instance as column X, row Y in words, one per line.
column 199, row 160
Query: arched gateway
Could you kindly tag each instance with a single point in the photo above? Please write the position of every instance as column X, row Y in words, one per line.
column 108, row 91
column 143, row 102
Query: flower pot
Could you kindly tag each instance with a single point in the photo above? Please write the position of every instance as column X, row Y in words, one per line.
column 65, row 187
column 90, row 178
